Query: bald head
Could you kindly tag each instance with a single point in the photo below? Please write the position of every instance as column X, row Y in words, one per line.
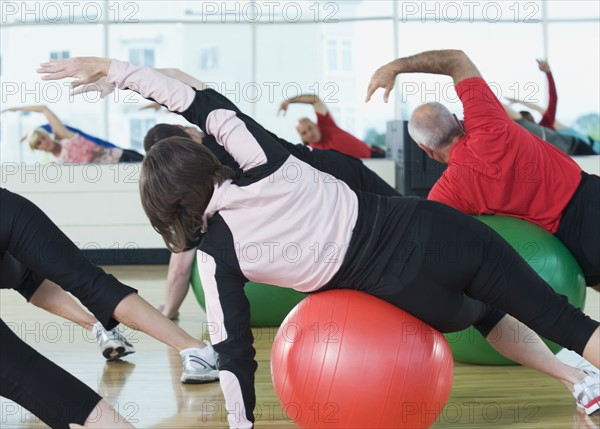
column 432, row 125
column 308, row 130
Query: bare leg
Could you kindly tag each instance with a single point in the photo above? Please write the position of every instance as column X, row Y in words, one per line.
column 55, row 300
column 592, row 349
column 104, row 416
column 135, row 312
column 528, row 349
column 132, row 311
column 596, row 288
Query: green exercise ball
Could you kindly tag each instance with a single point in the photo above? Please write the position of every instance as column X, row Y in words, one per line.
column 269, row 305
column 549, row 258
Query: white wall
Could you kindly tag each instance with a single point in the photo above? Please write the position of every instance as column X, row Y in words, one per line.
column 96, row 206
column 589, row 164
column 99, row 206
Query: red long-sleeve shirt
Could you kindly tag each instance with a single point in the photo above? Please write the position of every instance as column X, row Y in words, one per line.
column 501, row 168
column 550, row 113
column 333, row 137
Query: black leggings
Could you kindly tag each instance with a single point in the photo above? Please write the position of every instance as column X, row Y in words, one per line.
column 26, row 377
column 452, row 271
column 131, row 156
column 17, row 276
column 35, row 241
column 579, row 228
column 42, row 387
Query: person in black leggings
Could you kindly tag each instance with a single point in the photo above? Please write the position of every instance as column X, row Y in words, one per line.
column 42, row 387
column 51, row 297
column 443, row 266
column 339, row 166
column 27, row 377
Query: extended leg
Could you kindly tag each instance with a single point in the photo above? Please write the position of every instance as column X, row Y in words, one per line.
column 33, row 239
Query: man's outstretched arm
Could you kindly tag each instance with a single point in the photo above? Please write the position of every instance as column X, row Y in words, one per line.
column 453, row 63
column 312, row 99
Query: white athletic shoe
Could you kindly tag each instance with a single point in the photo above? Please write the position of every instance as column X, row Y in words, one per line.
column 200, row 365
column 112, row 344
column 587, row 392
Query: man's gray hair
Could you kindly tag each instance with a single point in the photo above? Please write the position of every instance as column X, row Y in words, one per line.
column 432, row 125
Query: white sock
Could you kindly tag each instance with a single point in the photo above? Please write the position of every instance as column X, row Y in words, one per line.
column 97, row 327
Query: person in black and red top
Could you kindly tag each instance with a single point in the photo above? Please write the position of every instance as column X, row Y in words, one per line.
column 325, row 134
column 282, row 223
column 567, row 139
column 549, row 114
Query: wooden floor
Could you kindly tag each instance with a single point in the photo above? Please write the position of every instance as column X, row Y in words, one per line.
column 145, row 387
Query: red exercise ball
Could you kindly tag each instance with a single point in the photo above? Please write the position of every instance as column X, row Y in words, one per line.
column 345, row 359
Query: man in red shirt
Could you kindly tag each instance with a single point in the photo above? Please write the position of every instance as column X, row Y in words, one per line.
column 325, row 134
column 494, row 165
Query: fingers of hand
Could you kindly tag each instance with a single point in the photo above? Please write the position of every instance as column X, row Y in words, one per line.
column 370, row 90
column 52, row 67
column 375, row 85
column 386, row 95
column 60, row 69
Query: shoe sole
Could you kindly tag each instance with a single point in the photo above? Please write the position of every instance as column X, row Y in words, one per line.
column 592, row 408
column 118, row 352
column 208, row 378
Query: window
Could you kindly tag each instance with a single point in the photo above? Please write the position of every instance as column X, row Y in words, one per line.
column 59, row 55
column 137, row 131
column 345, row 118
column 559, row 10
column 575, row 91
column 336, row 114
column 339, row 55
column 346, row 55
column 143, row 57
column 209, row 58
column 514, row 74
column 332, row 59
